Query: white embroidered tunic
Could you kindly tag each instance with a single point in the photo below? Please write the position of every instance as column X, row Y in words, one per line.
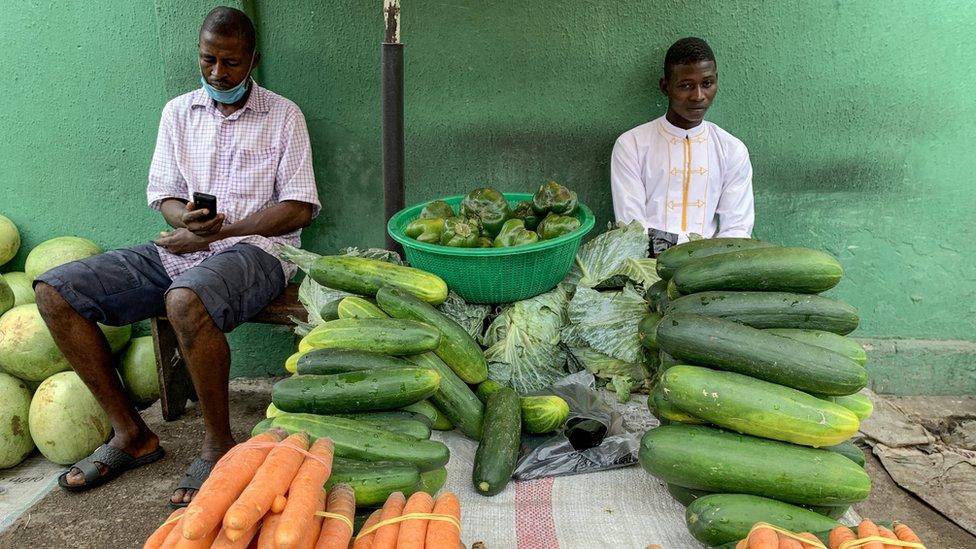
column 683, row 181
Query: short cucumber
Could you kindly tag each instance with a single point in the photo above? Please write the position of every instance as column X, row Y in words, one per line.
column 670, row 260
column 453, row 397
column 756, row 407
column 858, row 403
column 366, row 276
column 685, row 496
column 647, row 331
column 456, row 348
column 722, row 518
column 359, row 307
column 364, row 391
column 494, row 461
column 705, row 458
column 772, row 310
column 373, row 482
column 664, row 410
column 657, row 295
column 540, row 413
column 337, row 361
column 389, row 336
column 800, row 270
column 362, row 441
column 828, row 340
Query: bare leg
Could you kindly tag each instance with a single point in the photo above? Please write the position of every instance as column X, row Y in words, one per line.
column 207, row 357
column 86, row 348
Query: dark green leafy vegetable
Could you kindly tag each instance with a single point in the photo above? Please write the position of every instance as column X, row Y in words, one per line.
column 489, row 207
column 437, row 209
column 514, row 233
column 525, row 212
column 555, row 225
column 426, row 230
column 459, row 233
column 553, row 197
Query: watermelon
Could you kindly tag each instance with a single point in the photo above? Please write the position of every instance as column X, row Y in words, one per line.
column 9, row 240
column 27, row 350
column 65, row 419
column 138, row 369
column 15, row 438
column 21, row 285
column 58, row 251
column 7, row 297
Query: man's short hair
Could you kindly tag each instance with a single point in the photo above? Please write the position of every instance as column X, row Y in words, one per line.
column 225, row 21
column 685, row 52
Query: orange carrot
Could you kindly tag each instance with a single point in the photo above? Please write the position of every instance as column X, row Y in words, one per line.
column 386, row 536
column 839, row 535
column 442, row 533
column 174, row 535
column 279, row 503
column 786, row 542
column 763, row 538
column 867, row 529
column 336, row 533
column 199, row 543
column 304, row 493
column 743, row 544
column 159, row 536
column 311, row 533
column 366, row 541
column 886, row 533
column 225, row 483
column 271, row 479
column 268, row 527
column 224, row 542
column 413, row 532
column 905, row 533
column 813, row 539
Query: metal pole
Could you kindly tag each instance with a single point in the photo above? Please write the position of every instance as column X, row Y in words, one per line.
column 392, row 93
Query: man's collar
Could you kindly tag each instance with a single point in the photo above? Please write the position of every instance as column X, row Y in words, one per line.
column 675, row 131
column 257, row 100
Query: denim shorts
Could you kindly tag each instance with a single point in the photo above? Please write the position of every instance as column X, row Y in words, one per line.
column 123, row 286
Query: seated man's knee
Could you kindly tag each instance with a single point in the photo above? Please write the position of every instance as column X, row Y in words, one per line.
column 183, row 306
column 48, row 299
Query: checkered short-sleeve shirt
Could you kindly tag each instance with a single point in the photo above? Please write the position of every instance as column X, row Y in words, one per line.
column 251, row 160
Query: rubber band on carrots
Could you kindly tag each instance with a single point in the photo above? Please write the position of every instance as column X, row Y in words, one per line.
column 410, row 516
column 342, row 518
column 846, row 545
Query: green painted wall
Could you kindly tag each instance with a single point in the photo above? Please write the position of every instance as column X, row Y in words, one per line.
column 855, row 113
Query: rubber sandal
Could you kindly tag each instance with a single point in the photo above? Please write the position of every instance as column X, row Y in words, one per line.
column 193, row 479
column 117, row 461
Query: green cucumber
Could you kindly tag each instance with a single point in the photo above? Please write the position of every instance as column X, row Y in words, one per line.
column 738, row 348
column 453, row 397
column 330, row 311
column 685, row 496
column 647, row 331
column 755, row 407
column 828, row 340
column 442, row 423
column 540, row 413
column 373, row 482
column 772, row 310
column 364, row 276
column 494, row 461
column 432, row 481
column 391, row 336
column 670, row 260
column 657, row 296
column 423, row 408
column 722, row 518
column 664, row 410
column 359, row 307
column 859, row 403
column 457, row 348
column 362, row 441
column 486, row 388
column 849, row 450
column 800, row 270
column 337, row 361
column 705, row 458
column 671, row 291
column 385, row 389
column 667, row 360
column 389, row 415
column 261, row 426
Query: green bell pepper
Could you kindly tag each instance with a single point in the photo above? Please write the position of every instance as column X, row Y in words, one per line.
column 459, row 232
column 553, row 197
column 525, row 212
column 557, row 225
column 425, row 230
column 488, row 206
column 514, row 233
column 437, row 209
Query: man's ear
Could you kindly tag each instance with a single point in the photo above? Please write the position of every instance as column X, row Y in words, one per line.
column 663, row 85
column 257, row 60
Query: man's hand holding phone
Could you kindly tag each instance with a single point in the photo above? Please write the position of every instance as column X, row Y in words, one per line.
column 200, row 216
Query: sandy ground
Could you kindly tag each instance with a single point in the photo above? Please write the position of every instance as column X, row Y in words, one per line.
column 124, row 512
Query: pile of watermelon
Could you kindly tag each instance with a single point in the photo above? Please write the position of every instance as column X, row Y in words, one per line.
column 43, row 403
column 757, row 389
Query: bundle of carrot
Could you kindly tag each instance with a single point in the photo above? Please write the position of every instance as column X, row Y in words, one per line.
column 266, row 492
column 419, row 522
column 869, row 536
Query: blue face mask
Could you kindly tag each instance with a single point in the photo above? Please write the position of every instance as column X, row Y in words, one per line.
column 232, row 95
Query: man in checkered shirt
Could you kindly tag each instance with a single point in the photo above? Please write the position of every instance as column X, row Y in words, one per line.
column 248, row 147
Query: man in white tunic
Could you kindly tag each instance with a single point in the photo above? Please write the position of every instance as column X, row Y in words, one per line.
column 679, row 174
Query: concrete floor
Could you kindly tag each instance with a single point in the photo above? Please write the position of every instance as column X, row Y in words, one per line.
column 124, row 512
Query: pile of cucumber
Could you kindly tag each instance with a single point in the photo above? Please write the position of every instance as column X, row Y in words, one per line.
column 757, row 388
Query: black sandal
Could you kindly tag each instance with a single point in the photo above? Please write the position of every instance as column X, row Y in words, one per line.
column 196, row 473
column 115, row 460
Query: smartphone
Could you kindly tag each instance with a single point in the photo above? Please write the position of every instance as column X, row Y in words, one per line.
column 208, row 201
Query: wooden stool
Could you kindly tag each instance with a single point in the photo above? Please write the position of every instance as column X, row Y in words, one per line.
column 175, row 386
